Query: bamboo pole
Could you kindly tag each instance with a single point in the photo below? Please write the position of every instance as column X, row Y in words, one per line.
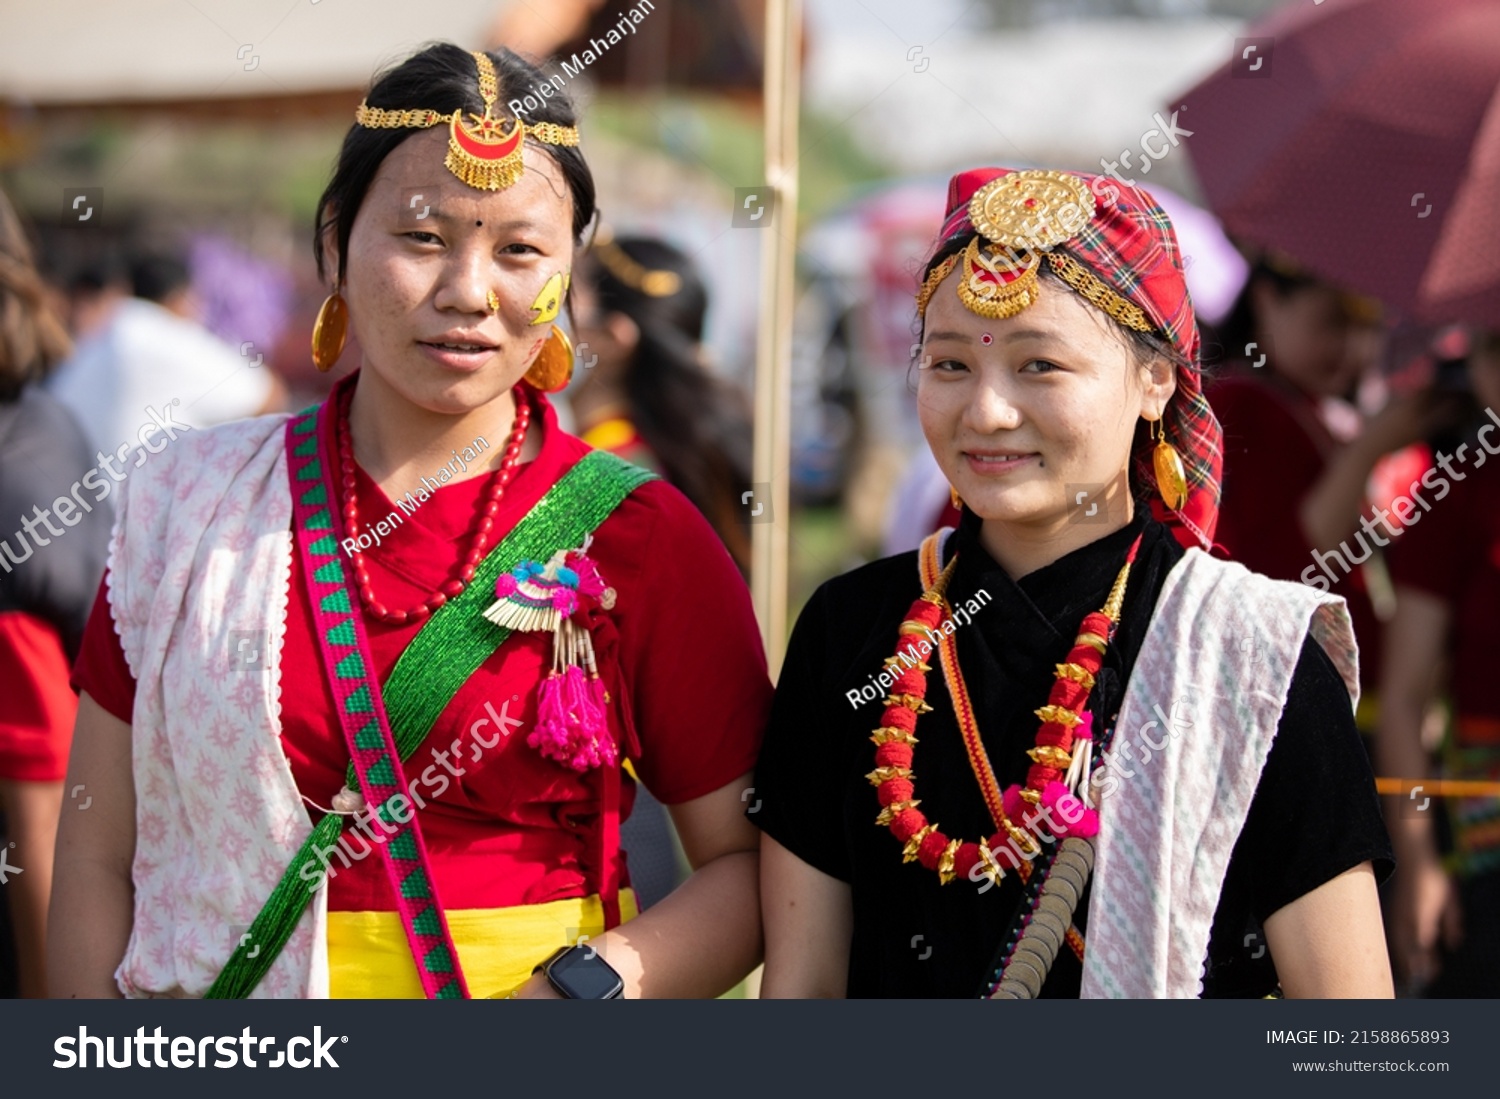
column 773, row 343
column 773, row 350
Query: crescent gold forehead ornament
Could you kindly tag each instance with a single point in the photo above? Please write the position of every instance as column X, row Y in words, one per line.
column 483, row 153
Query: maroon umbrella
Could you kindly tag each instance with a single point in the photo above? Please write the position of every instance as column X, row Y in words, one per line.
column 1362, row 137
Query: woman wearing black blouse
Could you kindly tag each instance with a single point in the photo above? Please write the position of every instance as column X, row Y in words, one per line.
column 1057, row 753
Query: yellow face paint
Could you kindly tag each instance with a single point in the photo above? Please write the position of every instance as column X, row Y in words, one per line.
column 548, row 303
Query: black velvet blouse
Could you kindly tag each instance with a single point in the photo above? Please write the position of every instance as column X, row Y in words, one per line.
column 913, row 936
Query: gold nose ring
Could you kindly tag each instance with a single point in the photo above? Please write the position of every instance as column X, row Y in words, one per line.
column 494, row 301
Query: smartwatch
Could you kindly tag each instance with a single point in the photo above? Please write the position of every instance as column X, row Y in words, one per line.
column 578, row 973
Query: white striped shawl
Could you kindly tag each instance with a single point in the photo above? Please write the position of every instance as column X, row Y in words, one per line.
column 1221, row 647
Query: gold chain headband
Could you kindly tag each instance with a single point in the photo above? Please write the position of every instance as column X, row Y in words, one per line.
column 642, row 279
column 481, row 154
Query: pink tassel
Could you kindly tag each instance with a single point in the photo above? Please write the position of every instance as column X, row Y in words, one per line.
column 571, row 727
column 592, row 743
column 1084, row 730
column 505, row 584
column 1066, row 808
column 565, row 601
column 599, row 726
column 550, row 736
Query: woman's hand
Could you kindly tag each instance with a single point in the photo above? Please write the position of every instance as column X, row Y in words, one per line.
column 1426, row 910
column 700, row 941
column 1330, row 512
column 1424, row 902
column 1405, row 420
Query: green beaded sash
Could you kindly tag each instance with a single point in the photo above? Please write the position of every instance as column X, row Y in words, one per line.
column 443, row 655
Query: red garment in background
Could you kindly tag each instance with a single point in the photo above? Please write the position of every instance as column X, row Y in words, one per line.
column 1275, row 449
column 516, row 828
column 1453, row 553
column 37, row 707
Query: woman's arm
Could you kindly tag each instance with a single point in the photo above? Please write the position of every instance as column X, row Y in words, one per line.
column 1329, row 943
column 1331, row 510
column 704, row 938
column 1415, row 640
column 809, row 919
column 92, row 896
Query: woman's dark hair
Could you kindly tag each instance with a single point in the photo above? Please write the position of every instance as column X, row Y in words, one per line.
column 1237, row 330
column 696, row 424
column 444, row 78
column 32, row 338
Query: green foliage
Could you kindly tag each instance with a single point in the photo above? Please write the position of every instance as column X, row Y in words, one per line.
column 723, row 139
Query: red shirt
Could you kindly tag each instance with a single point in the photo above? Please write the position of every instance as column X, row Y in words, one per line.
column 1275, row 449
column 37, row 708
column 1453, row 553
column 512, row 827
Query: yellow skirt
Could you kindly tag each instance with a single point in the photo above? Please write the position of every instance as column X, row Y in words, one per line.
column 368, row 956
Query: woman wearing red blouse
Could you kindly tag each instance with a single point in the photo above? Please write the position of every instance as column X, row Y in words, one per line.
column 1296, row 459
column 48, row 564
column 365, row 688
column 1445, row 924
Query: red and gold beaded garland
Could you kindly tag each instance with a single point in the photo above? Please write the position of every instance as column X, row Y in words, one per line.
column 478, row 544
column 1018, row 812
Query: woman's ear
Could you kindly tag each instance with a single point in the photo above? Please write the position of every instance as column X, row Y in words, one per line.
column 1159, row 378
column 624, row 331
column 328, row 237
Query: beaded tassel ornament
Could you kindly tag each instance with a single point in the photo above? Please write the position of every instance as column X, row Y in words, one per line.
column 572, row 727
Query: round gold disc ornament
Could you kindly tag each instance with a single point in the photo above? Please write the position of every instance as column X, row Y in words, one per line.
column 1032, row 209
column 1171, row 480
column 553, row 367
column 330, row 331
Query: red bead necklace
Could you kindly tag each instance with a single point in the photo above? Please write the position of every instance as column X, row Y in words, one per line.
column 1019, row 812
column 478, row 544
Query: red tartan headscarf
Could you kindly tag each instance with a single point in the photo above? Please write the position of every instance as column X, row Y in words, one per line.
column 1129, row 244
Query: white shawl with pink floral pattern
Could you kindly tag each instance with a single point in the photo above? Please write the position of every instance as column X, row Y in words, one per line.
column 199, row 566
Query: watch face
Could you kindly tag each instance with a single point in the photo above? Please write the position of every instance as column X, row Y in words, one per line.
column 582, row 975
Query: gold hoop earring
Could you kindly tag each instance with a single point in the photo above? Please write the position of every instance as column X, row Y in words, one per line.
column 553, row 367
column 958, row 501
column 330, row 331
column 1171, row 481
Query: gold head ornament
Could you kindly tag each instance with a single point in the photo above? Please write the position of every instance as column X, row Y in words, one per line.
column 482, row 151
column 1019, row 218
column 637, row 276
